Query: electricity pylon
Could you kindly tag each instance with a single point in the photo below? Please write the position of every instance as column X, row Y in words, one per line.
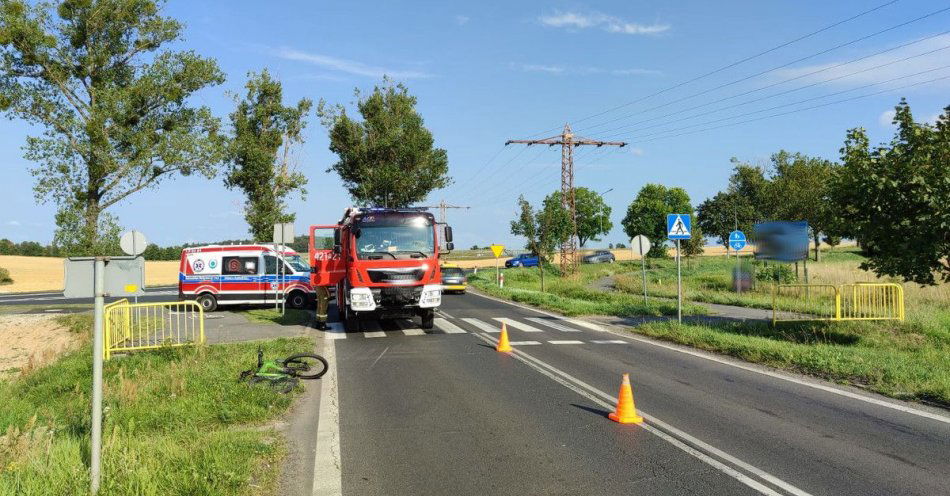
column 568, row 141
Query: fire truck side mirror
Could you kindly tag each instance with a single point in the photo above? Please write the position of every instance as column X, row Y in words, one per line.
column 449, row 246
column 448, row 235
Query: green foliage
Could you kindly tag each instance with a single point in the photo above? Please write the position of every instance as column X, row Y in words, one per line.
column 114, row 109
column 778, row 273
column 177, row 422
column 388, row 158
column 693, row 246
column 5, row 276
column 800, row 189
column 647, row 214
column 261, row 153
column 592, row 214
column 897, row 198
column 544, row 230
column 723, row 213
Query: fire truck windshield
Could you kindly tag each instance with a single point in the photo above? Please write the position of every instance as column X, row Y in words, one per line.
column 396, row 236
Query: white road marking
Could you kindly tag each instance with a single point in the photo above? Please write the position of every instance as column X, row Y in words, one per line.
column 552, row 323
column 336, row 331
column 566, row 341
column 523, row 343
column 671, row 434
column 609, row 341
column 327, row 470
column 707, row 356
column 518, row 325
column 54, row 310
column 413, row 332
column 448, row 327
column 485, row 326
column 374, row 334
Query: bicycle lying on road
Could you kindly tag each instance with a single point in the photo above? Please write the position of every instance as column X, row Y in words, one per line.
column 282, row 376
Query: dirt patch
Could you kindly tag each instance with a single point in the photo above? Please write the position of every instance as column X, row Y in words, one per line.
column 30, row 341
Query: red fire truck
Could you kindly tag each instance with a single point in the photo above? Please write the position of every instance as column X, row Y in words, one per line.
column 383, row 262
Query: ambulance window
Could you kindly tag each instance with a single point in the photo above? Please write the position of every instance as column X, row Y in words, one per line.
column 270, row 265
column 238, row 265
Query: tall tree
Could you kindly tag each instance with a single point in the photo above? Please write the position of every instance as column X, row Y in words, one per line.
column 262, row 162
column 114, row 107
column 750, row 188
column 801, row 190
column 543, row 230
column 720, row 215
column 593, row 214
column 646, row 215
column 695, row 245
column 896, row 198
column 388, row 158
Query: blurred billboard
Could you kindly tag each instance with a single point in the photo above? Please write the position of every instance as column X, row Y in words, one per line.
column 781, row 241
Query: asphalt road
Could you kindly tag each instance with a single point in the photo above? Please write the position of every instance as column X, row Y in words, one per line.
column 152, row 294
column 441, row 412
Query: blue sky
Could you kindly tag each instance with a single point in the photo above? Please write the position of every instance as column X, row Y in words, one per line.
column 489, row 71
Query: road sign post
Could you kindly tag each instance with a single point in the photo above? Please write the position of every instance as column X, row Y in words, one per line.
column 641, row 245
column 282, row 232
column 678, row 227
column 95, row 448
column 496, row 250
column 737, row 241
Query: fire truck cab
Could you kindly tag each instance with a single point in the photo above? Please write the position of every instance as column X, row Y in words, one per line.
column 216, row 275
column 383, row 262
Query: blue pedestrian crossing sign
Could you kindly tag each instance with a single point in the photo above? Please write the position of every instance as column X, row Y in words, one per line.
column 737, row 240
column 678, row 226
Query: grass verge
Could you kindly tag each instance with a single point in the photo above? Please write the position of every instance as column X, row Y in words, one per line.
column 572, row 296
column 905, row 361
column 176, row 422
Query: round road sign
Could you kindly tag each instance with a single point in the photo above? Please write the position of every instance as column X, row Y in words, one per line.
column 133, row 243
column 640, row 244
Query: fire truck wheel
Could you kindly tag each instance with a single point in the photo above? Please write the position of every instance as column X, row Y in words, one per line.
column 428, row 318
column 208, row 302
column 297, row 299
column 351, row 323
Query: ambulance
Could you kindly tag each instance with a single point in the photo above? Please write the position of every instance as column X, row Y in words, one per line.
column 249, row 274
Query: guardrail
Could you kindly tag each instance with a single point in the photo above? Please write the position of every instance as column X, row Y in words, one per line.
column 859, row 301
column 142, row 326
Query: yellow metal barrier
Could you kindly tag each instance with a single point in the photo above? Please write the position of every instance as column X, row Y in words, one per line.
column 859, row 301
column 799, row 302
column 141, row 326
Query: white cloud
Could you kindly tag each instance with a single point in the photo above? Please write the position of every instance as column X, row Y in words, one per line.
column 886, row 117
column 462, row 20
column 553, row 69
column 611, row 24
column 933, row 119
column 866, row 71
column 14, row 223
column 346, row 66
column 636, row 151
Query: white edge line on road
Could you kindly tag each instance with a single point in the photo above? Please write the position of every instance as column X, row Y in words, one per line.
column 592, row 393
column 523, row 343
column 327, row 470
column 708, row 356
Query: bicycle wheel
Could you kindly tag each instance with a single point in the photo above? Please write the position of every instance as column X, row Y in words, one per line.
column 306, row 365
column 281, row 385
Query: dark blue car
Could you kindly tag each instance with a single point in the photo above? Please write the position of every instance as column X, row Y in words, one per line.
column 523, row 260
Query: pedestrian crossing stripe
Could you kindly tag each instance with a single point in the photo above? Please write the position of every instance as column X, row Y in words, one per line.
column 517, row 325
column 448, row 327
column 552, row 323
column 484, row 326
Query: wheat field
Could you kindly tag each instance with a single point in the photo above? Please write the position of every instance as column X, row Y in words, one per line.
column 46, row 273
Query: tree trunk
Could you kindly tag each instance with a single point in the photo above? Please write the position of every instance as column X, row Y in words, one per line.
column 817, row 248
column 90, row 230
column 541, row 269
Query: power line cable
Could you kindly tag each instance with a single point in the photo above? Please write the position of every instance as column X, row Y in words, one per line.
column 727, row 66
column 787, row 64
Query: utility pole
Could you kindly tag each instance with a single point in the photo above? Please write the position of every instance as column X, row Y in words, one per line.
column 442, row 206
column 568, row 142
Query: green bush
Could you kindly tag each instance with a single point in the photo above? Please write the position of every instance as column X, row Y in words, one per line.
column 775, row 272
column 5, row 276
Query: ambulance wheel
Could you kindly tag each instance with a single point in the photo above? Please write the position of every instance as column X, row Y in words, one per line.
column 297, row 299
column 428, row 319
column 208, row 302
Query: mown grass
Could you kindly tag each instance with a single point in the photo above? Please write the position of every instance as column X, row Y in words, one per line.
column 573, row 296
column 176, row 422
column 907, row 361
column 291, row 316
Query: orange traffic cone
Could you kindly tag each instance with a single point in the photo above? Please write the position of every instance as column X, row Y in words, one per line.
column 503, row 344
column 626, row 411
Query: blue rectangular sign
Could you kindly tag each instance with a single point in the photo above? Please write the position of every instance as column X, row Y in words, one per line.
column 782, row 241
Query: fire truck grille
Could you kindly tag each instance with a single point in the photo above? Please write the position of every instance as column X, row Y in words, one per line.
column 399, row 296
column 401, row 276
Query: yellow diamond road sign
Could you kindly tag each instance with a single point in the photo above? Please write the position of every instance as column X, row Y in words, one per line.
column 497, row 249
